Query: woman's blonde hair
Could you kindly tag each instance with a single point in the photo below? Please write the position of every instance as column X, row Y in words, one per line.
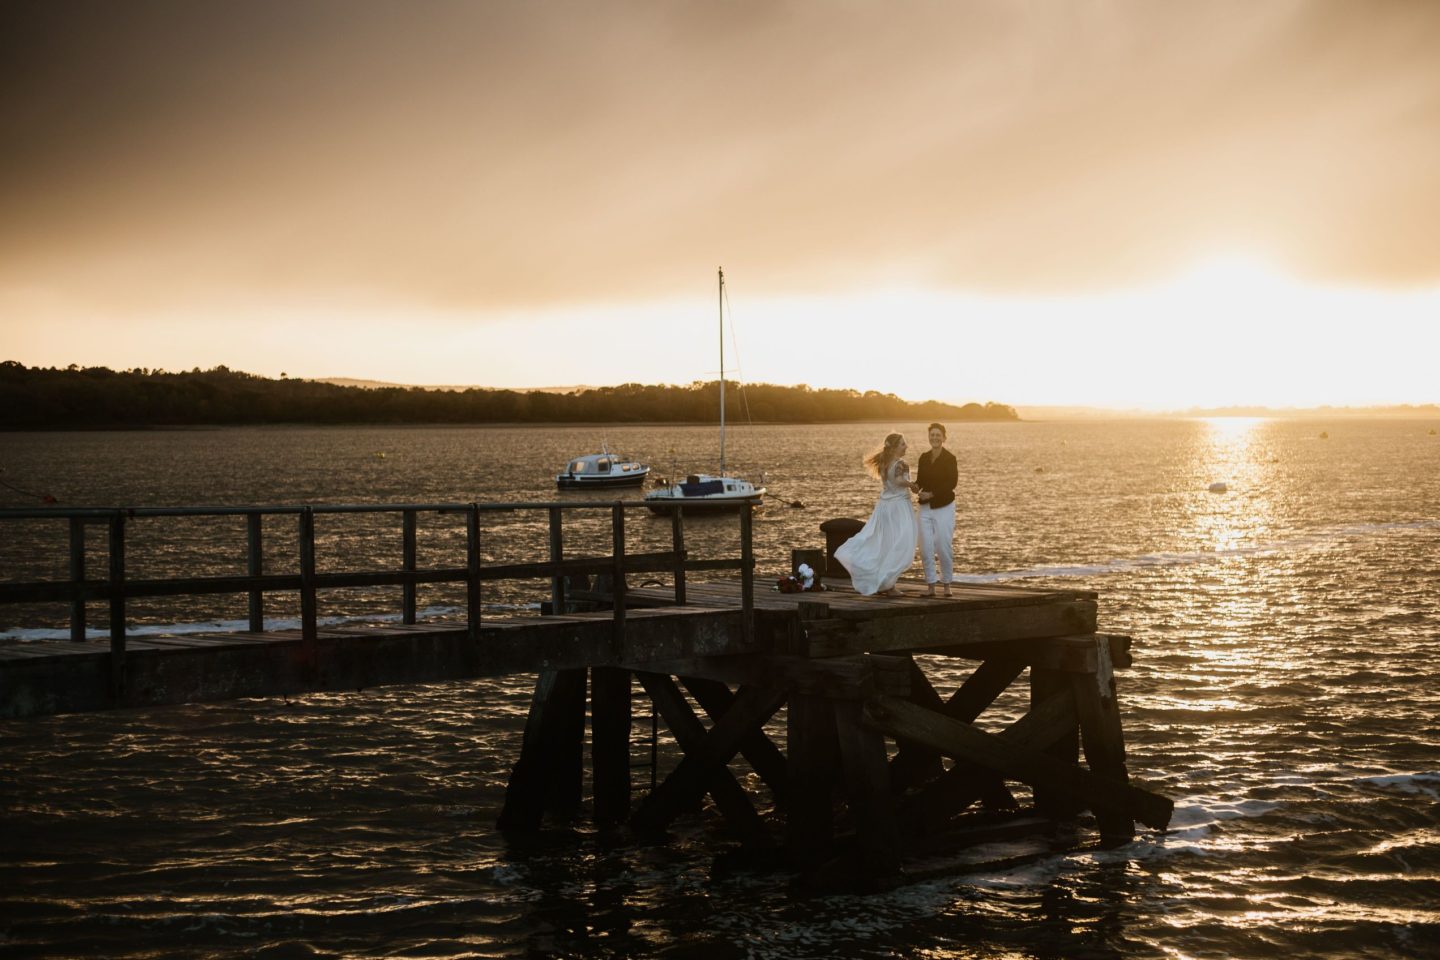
column 879, row 461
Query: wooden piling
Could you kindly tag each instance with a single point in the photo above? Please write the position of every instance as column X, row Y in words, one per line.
column 610, row 725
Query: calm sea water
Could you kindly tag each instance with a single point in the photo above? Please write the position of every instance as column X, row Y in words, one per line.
column 1285, row 693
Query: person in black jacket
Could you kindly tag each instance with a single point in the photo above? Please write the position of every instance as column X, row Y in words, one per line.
column 935, row 483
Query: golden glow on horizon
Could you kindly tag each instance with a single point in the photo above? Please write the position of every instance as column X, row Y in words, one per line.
column 1228, row 331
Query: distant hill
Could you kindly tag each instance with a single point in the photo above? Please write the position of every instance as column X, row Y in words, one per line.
column 381, row 384
column 40, row 398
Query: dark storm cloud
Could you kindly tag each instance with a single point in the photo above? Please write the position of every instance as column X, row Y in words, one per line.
column 476, row 155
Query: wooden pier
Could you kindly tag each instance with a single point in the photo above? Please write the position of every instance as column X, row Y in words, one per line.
column 875, row 763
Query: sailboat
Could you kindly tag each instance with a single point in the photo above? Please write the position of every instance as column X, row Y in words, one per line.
column 703, row 491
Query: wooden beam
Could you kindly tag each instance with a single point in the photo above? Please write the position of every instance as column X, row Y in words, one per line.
column 716, row 699
column 1071, row 654
column 706, row 754
column 964, row 783
column 947, row 628
column 853, row 678
column 588, row 640
column 915, row 762
column 962, row 741
column 990, row 679
column 1099, row 714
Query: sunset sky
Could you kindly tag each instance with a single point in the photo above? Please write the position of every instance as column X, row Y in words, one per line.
column 1128, row 204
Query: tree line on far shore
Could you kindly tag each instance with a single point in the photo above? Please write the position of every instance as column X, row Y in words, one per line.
column 76, row 397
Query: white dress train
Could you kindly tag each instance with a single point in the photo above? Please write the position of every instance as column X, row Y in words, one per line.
column 885, row 547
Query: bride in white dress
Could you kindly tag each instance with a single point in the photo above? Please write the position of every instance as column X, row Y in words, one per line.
column 885, row 547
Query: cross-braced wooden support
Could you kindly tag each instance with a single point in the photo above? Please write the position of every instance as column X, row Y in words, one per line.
column 707, row 753
column 878, row 764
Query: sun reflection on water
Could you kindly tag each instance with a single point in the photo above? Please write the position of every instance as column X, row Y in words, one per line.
column 1232, row 453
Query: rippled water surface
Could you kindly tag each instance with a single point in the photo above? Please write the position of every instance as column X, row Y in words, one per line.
column 1284, row 692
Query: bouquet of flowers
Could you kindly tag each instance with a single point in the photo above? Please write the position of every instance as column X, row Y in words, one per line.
column 801, row 581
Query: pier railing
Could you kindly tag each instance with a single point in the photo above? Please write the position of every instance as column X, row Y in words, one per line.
column 116, row 588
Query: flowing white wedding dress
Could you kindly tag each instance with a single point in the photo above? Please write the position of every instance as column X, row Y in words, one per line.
column 885, row 547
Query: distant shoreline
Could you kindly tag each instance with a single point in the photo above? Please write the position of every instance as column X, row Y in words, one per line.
column 499, row 425
column 93, row 398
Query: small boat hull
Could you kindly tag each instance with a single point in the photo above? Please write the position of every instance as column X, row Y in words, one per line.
column 634, row 479
column 693, row 505
column 705, row 495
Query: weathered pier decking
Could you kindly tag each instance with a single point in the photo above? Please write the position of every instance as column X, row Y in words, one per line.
column 876, row 762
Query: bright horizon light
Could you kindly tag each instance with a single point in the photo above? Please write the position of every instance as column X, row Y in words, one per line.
column 1229, row 330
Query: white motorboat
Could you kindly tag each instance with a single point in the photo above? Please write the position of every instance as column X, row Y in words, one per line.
column 598, row 470
column 704, row 491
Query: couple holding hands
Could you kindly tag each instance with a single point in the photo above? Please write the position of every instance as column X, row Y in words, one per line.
column 885, row 547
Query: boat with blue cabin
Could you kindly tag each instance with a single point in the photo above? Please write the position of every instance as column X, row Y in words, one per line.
column 601, row 470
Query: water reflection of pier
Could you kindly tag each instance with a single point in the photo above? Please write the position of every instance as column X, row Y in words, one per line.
column 878, row 770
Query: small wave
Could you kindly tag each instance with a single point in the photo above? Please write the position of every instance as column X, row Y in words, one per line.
column 1321, row 538
column 1427, row 784
column 30, row 634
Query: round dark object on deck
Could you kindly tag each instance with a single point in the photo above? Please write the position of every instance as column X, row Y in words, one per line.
column 837, row 531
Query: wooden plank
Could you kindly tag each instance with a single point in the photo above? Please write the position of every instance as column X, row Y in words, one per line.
column 269, row 664
column 610, row 722
column 853, row 678
column 650, row 636
column 843, row 598
column 943, row 630
column 52, row 648
column 1069, row 653
column 964, row 742
column 706, row 754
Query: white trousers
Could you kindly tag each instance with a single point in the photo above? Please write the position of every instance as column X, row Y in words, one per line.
column 937, row 530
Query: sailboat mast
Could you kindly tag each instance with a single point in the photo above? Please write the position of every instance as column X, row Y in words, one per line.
column 722, row 371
